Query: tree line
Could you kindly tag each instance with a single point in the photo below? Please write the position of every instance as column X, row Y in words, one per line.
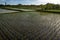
column 48, row 6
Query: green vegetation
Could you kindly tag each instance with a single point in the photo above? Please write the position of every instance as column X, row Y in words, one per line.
column 49, row 11
column 20, row 6
column 49, row 7
column 46, row 6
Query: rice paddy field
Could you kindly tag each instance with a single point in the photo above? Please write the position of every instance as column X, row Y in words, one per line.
column 7, row 11
column 29, row 26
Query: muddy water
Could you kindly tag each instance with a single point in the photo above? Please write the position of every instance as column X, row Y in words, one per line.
column 29, row 26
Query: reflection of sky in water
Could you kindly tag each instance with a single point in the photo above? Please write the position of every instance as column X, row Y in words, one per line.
column 6, row 11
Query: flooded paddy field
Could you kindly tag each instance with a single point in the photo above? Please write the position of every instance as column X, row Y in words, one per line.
column 29, row 26
column 6, row 11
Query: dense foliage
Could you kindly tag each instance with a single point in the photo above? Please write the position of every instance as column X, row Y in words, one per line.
column 50, row 6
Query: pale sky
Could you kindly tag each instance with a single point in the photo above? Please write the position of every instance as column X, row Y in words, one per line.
column 37, row 2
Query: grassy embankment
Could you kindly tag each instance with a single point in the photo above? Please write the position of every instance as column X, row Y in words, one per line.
column 49, row 11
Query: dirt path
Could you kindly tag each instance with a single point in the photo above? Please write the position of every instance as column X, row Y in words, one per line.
column 29, row 26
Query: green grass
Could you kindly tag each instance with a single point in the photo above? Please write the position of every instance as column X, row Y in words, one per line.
column 49, row 11
column 53, row 10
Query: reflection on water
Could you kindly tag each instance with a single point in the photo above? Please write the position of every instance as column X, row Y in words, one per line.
column 6, row 11
column 29, row 26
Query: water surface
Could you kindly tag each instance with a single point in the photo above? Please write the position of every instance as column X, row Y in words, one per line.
column 6, row 11
column 29, row 26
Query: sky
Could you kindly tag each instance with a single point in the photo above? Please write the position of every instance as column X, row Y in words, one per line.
column 28, row 2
